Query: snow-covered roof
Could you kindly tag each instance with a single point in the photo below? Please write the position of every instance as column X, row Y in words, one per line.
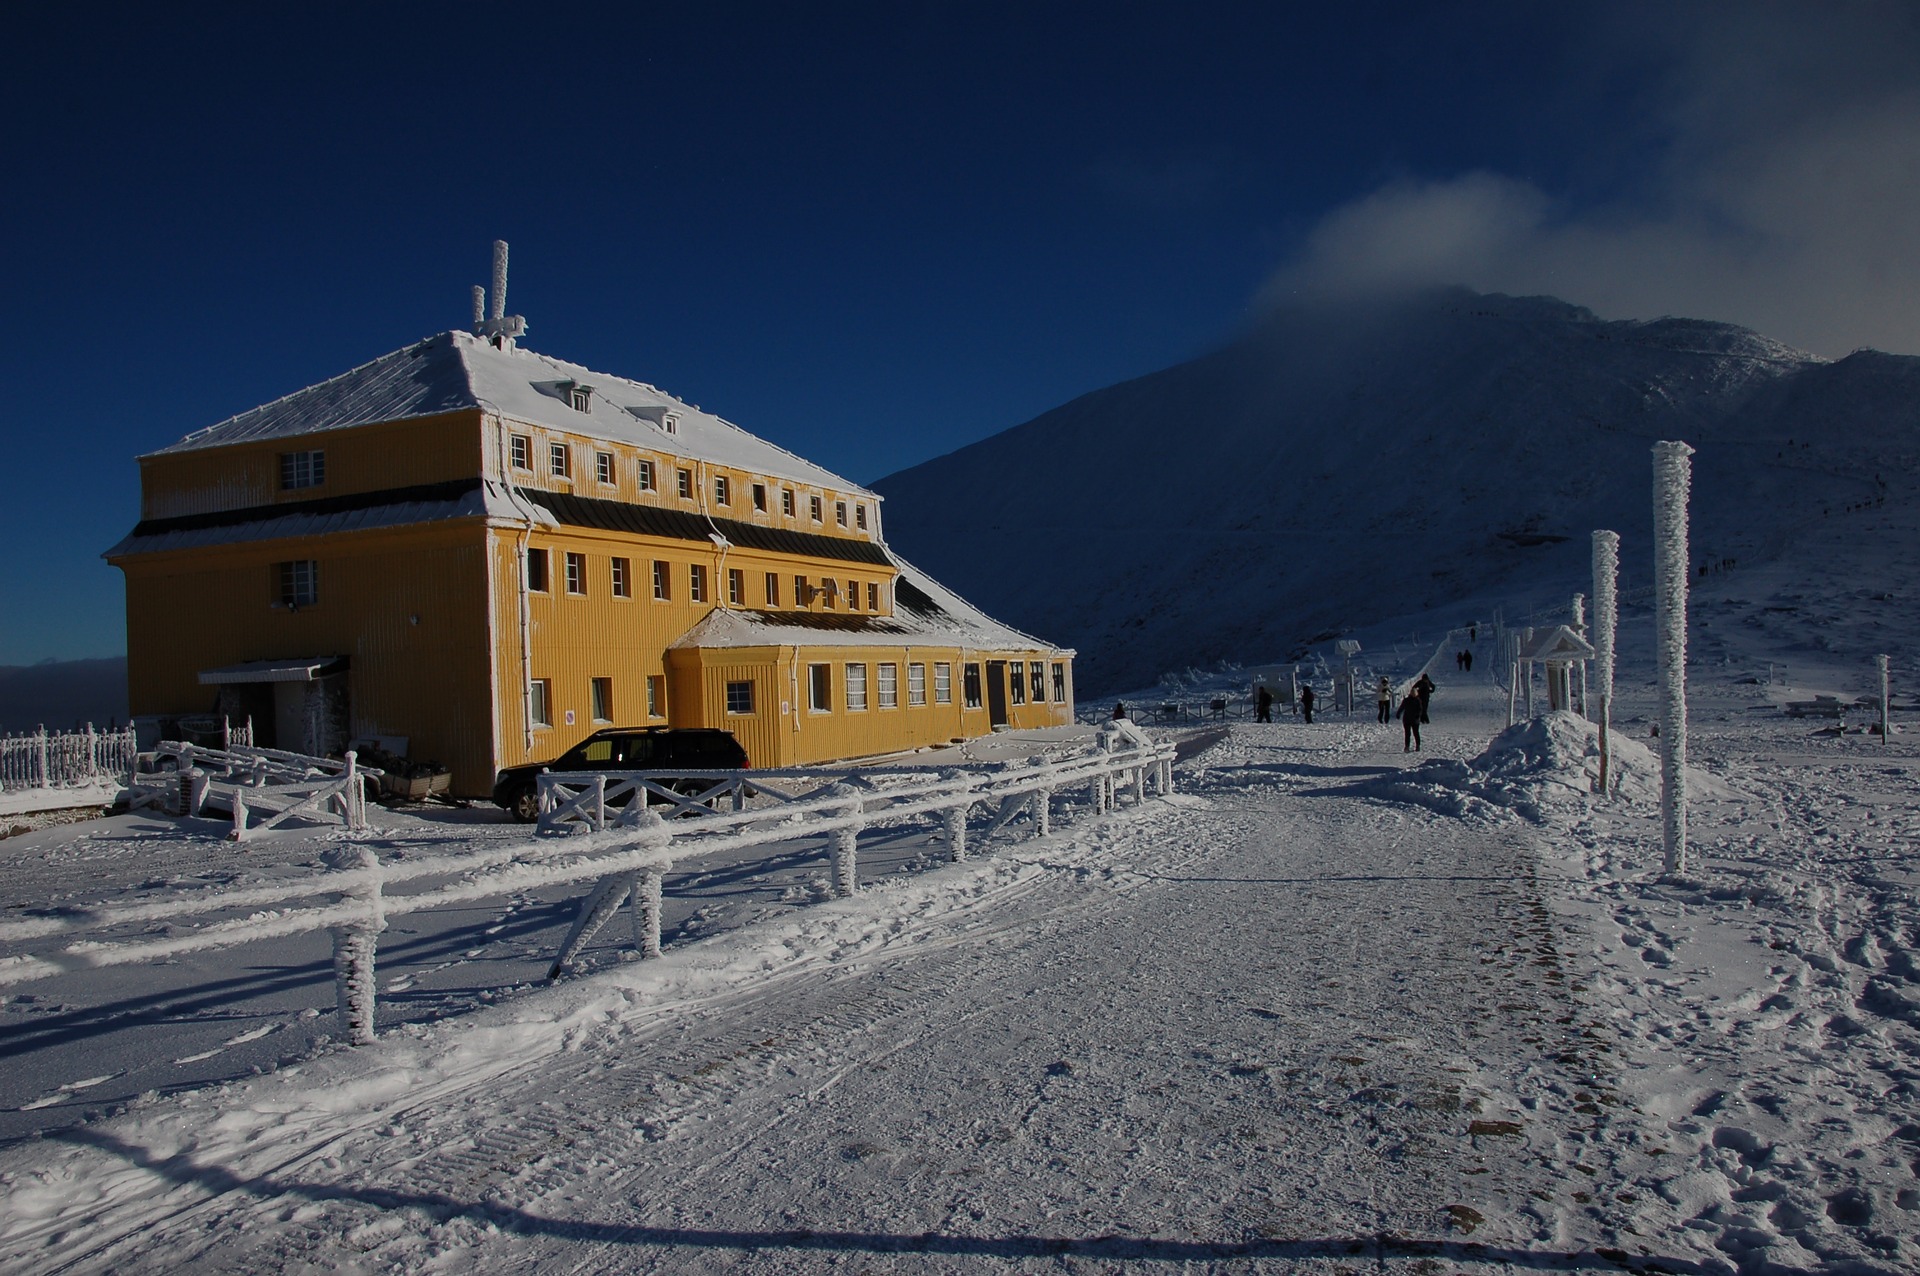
column 1561, row 644
column 925, row 614
column 456, row 370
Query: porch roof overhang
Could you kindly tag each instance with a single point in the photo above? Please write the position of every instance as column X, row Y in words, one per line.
column 299, row 670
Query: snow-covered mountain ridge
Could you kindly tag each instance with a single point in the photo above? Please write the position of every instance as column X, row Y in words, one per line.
column 1333, row 470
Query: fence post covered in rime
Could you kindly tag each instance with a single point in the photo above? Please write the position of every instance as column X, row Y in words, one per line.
column 846, row 842
column 44, row 778
column 355, row 942
column 646, row 912
column 1886, row 712
column 954, row 820
column 1606, row 575
column 1672, row 476
column 239, row 833
column 1042, row 812
column 600, row 802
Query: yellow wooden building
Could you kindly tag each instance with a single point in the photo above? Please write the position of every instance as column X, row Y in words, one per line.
column 482, row 554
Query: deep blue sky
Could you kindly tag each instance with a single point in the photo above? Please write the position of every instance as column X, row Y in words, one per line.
column 870, row 233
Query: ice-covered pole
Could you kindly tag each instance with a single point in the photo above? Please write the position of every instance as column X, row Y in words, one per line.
column 479, row 309
column 1886, row 714
column 1606, row 574
column 1672, row 476
column 1580, row 627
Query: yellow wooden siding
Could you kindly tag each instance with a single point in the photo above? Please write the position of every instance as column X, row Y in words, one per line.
column 425, row 679
column 366, row 458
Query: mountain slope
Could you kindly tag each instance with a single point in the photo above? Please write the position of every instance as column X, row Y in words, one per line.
column 1331, row 470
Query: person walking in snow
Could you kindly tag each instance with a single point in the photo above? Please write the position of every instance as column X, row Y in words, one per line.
column 1119, row 711
column 1423, row 692
column 1385, row 697
column 1410, row 719
column 1263, row 701
column 1306, row 703
column 1466, row 661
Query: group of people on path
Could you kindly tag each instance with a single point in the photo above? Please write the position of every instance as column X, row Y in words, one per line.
column 1463, row 659
column 1413, row 709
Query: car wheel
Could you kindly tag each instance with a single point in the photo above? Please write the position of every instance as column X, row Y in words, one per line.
column 524, row 803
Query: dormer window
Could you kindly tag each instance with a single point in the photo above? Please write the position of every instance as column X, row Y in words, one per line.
column 579, row 397
column 670, row 423
column 302, row 469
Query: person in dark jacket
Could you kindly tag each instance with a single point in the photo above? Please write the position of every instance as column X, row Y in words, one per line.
column 1306, row 704
column 1423, row 692
column 1410, row 723
column 1385, row 698
column 1263, row 701
column 1119, row 711
column 1466, row 658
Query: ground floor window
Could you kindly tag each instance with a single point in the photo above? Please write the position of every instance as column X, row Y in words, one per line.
column 889, row 686
column 1060, row 681
column 540, row 703
column 820, row 688
column 971, row 677
column 1038, row 673
column 942, row 682
column 603, row 700
column 1019, row 670
column 856, row 688
column 657, row 696
column 916, row 684
column 739, row 697
column 297, row 584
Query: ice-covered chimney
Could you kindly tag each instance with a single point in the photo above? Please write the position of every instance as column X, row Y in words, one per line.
column 501, row 328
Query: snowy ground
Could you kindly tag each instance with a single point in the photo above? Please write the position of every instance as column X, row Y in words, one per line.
column 1331, row 1007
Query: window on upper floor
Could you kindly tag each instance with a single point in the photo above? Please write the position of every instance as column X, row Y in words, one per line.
column 576, row 573
column 644, row 474
column 813, row 507
column 802, row 591
column 622, row 578
column 537, row 570
column 302, row 469
column 773, row 589
column 520, row 451
column 736, row 587
column 685, row 488
column 722, row 490
column 559, row 460
column 697, row 582
column 786, row 501
column 760, row 497
column 873, row 595
column 840, row 513
column 662, row 574
column 853, row 595
column 603, row 466
column 579, row 397
column 860, row 517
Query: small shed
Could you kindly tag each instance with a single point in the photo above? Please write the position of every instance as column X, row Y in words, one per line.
column 1560, row 649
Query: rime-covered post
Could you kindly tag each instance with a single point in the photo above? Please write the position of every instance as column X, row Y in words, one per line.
column 600, row 802
column 846, row 842
column 1580, row 627
column 647, row 897
column 40, row 758
column 1042, row 812
column 354, row 942
column 1672, row 477
column 1886, row 713
column 1606, row 574
column 239, row 833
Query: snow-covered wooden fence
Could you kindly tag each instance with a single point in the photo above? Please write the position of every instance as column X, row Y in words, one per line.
column 625, row 863
column 271, row 786
column 48, row 760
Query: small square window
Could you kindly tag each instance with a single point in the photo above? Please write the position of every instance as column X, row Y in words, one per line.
column 559, row 462
column 820, row 688
column 697, row 582
column 722, row 490
column 760, row 497
column 887, row 685
column 685, row 486
column 739, row 697
column 537, row 570
column 671, row 424
column 576, row 573
column 302, row 469
column 840, row 513
column 773, row 589
column 786, row 501
column 520, row 448
column 916, row 684
column 644, row 473
column 580, row 398
column 603, row 466
column 736, row 587
column 657, row 696
column 856, row 688
column 297, row 584
column 540, row 707
column 813, row 507
column 662, row 588
column 622, row 578
column 942, row 682
column 603, row 700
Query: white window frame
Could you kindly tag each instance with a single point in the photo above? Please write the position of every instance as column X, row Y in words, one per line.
column 1017, row 681
column 786, row 501
column 620, row 577
column 736, row 707
column 916, row 683
column 602, row 699
column 722, row 490
column 943, row 682
column 656, row 695
column 820, row 688
column 644, row 475
column 855, row 672
column 684, row 485
column 520, row 451
column 736, row 587
column 662, row 580
column 576, row 569
column 559, row 460
column 540, row 703
column 302, row 469
column 603, row 467
column 696, row 582
column 887, row 685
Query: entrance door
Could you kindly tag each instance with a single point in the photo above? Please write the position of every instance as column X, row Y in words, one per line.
column 997, row 693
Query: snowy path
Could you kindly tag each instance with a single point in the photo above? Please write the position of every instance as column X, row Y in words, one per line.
column 1275, row 1019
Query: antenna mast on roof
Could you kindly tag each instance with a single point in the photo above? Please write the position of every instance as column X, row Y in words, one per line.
column 502, row 327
